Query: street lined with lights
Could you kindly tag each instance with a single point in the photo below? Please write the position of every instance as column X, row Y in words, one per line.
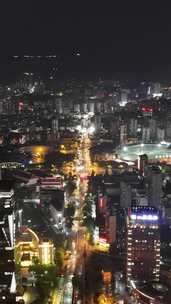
column 76, row 260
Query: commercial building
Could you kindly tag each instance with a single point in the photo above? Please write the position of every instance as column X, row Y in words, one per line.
column 27, row 247
column 46, row 253
column 7, row 242
column 143, row 245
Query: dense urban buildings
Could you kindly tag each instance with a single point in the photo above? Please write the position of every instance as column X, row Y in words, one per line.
column 85, row 155
column 90, row 165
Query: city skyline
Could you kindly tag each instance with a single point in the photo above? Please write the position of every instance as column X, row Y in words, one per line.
column 85, row 153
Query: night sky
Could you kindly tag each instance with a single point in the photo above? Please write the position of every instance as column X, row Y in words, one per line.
column 124, row 40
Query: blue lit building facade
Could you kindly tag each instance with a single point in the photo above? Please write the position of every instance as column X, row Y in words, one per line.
column 143, row 245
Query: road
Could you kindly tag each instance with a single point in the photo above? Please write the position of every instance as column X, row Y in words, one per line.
column 75, row 264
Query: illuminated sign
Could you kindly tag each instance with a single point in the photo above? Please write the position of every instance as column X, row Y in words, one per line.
column 107, row 276
column 101, row 202
column 103, row 240
column 146, row 109
column 144, row 217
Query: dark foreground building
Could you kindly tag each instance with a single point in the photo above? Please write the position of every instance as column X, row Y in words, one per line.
column 7, row 242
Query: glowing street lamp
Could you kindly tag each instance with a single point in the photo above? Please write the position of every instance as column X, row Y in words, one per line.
column 91, row 130
column 125, row 149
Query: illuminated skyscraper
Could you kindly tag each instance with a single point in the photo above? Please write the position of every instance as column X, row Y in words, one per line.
column 7, row 242
column 143, row 245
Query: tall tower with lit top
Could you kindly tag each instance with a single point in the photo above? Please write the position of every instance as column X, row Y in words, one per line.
column 143, row 245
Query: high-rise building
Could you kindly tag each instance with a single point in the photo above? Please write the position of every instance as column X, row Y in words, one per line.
column 85, row 107
column 123, row 134
column 125, row 195
column 143, row 91
column 111, row 225
column 77, row 108
column 143, row 245
column 142, row 163
column 124, row 97
column 153, row 129
column 55, row 125
column 91, row 107
column 154, row 90
column 145, row 134
column 168, row 129
column 133, row 126
column 7, row 242
column 59, row 105
column 155, row 192
column 160, row 134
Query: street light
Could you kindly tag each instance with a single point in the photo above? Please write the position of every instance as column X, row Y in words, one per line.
column 20, row 218
column 91, row 130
